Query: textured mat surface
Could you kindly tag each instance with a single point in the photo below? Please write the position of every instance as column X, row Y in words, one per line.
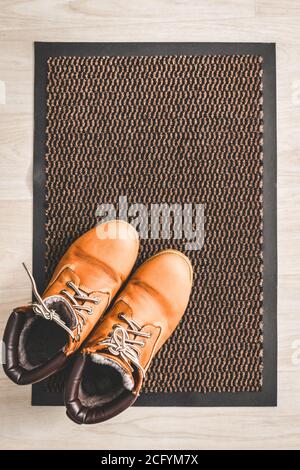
column 175, row 129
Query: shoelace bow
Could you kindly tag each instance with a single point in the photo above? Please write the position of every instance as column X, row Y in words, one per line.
column 41, row 309
column 120, row 344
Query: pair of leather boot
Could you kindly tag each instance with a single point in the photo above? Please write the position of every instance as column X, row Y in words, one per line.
column 116, row 336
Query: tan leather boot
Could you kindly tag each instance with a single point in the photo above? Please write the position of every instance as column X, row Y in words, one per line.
column 109, row 372
column 40, row 337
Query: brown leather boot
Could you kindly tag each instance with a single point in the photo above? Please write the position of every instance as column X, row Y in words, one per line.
column 108, row 374
column 40, row 337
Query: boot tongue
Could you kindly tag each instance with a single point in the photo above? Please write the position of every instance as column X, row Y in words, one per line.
column 63, row 309
column 104, row 357
column 57, row 301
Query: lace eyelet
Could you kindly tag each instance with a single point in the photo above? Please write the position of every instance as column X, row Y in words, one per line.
column 122, row 345
column 96, row 300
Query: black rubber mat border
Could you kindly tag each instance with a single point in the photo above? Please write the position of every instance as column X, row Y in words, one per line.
column 268, row 395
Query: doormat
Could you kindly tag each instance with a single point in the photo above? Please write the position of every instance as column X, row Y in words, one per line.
column 181, row 126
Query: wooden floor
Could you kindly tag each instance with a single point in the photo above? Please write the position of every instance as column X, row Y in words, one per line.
column 25, row 21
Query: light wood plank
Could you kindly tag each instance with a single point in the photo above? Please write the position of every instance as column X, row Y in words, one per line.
column 280, row 8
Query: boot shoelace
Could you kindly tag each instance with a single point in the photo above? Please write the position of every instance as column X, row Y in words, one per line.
column 120, row 344
column 41, row 309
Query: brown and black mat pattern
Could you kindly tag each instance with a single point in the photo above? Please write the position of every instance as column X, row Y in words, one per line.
column 170, row 129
